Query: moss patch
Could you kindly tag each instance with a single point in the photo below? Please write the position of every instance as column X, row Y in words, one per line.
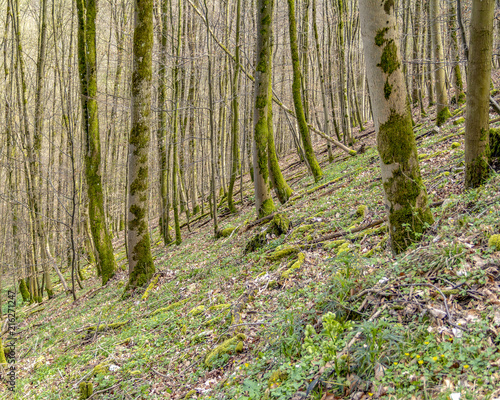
column 227, row 347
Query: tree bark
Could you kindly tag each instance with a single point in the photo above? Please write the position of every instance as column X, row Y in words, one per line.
column 478, row 84
column 141, row 267
column 405, row 194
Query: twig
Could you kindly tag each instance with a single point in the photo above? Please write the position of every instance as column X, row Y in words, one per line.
column 104, row 390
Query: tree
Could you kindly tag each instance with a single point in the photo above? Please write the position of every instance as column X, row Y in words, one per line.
column 478, row 84
column 442, row 110
column 297, row 97
column 140, row 261
column 263, row 200
column 405, row 194
column 87, row 66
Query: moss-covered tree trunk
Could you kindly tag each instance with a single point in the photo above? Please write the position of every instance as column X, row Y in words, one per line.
column 405, row 194
column 263, row 201
column 175, row 131
column 162, row 125
column 455, row 55
column 140, row 262
column 344, row 102
column 297, row 97
column 87, row 66
column 442, row 110
column 478, row 83
column 235, row 151
column 278, row 182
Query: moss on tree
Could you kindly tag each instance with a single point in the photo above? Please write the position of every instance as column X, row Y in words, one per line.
column 443, row 116
column 24, row 290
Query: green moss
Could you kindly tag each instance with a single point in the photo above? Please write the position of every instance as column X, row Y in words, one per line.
column 3, row 360
column 227, row 347
column 459, row 121
column 150, row 287
column 296, row 265
column 190, row 394
column 443, row 116
column 226, row 232
column 389, row 60
column 170, row 307
column 86, row 390
column 352, row 153
column 388, row 5
column 380, row 36
column 361, row 211
column 100, row 369
column 396, row 142
column 477, row 170
column 494, row 139
column 344, row 248
column 279, row 225
column 266, row 208
column 455, row 145
column 334, row 244
column 219, row 307
column 280, row 253
column 24, row 290
column 494, row 241
column 197, row 310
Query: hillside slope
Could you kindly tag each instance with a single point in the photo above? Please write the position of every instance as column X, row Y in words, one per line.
column 302, row 315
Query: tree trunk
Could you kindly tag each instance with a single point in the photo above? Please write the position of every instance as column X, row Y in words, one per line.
column 442, row 110
column 405, row 194
column 478, row 93
column 263, row 201
column 141, row 266
column 87, row 58
column 297, row 99
column 235, row 151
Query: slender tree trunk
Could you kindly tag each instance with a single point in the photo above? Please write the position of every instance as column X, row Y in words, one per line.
column 235, row 151
column 405, row 194
column 442, row 110
column 455, row 54
column 478, row 93
column 87, row 62
column 263, row 201
column 162, row 125
column 297, row 99
column 141, row 266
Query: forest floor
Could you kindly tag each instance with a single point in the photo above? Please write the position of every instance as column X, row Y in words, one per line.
column 337, row 318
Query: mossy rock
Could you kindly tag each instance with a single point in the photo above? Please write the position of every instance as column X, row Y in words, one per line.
column 100, row 369
column 459, row 121
column 282, row 252
column 495, row 142
column 86, row 390
column 226, row 232
column 197, row 310
column 296, row 265
column 361, row 211
column 494, row 241
column 455, row 145
column 344, row 248
column 234, row 344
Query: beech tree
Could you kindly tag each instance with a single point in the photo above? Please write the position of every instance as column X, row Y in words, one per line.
column 478, row 93
column 405, row 194
column 263, row 201
column 140, row 262
column 87, row 63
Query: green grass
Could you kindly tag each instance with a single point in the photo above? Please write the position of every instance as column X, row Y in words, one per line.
column 296, row 329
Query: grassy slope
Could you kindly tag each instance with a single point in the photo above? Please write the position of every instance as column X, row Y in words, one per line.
column 404, row 349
